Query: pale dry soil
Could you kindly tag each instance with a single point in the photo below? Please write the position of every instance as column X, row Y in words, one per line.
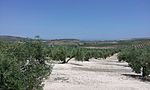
column 101, row 74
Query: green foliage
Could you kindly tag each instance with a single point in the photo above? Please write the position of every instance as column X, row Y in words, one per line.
column 79, row 54
column 23, row 65
column 66, row 53
column 87, row 56
column 137, row 58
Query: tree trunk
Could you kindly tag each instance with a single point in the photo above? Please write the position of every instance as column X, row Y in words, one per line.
column 144, row 72
column 68, row 60
column 64, row 61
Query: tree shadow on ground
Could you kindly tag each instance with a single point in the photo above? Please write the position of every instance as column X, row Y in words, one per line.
column 116, row 64
column 138, row 77
column 76, row 64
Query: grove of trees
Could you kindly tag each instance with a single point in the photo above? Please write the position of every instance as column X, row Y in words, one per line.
column 66, row 53
column 24, row 65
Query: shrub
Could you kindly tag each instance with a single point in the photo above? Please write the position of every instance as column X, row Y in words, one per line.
column 138, row 59
column 23, row 66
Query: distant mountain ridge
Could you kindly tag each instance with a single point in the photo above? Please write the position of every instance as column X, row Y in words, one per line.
column 49, row 42
column 81, row 42
column 13, row 38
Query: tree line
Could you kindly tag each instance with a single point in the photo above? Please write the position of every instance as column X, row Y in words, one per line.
column 66, row 53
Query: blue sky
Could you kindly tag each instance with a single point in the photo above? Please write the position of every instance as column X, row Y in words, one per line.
column 80, row 19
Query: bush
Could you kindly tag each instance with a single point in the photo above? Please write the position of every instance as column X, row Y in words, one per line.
column 137, row 58
column 23, row 66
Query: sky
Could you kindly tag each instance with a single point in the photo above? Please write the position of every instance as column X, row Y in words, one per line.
column 78, row 19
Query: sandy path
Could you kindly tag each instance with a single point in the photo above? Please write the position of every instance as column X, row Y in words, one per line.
column 94, row 75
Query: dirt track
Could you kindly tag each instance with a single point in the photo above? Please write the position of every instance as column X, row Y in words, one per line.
column 94, row 75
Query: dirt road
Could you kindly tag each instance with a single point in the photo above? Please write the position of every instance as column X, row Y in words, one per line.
column 106, row 74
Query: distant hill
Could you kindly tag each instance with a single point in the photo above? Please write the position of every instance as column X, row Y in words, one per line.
column 13, row 38
column 49, row 42
column 77, row 42
column 64, row 42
